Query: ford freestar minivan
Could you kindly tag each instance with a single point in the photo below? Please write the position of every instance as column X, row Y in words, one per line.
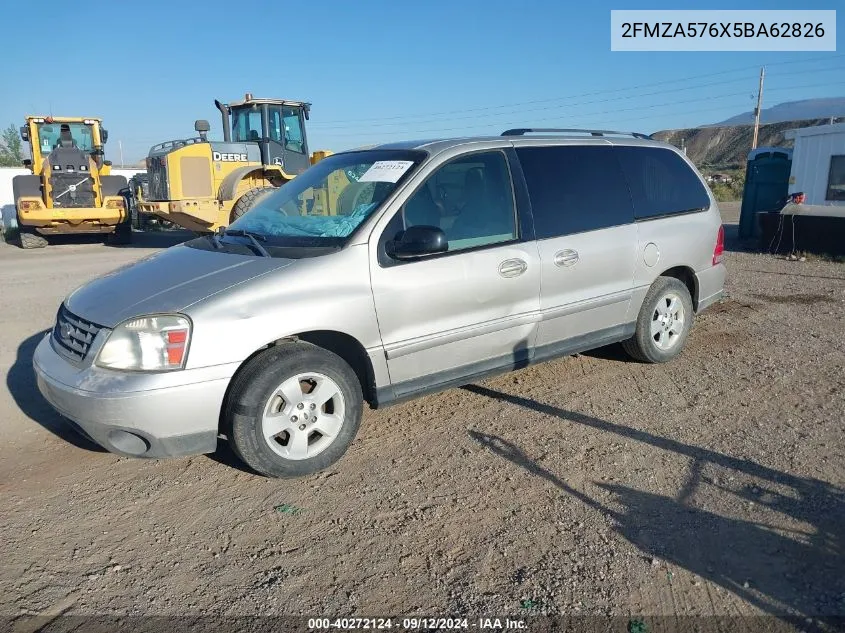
column 382, row 274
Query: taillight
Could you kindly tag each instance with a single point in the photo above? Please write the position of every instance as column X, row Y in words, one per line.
column 719, row 251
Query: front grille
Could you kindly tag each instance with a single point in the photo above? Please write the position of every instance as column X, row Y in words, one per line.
column 72, row 190
column 73, row 336
column 157, row 186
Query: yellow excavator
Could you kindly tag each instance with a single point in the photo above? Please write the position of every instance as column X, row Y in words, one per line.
column 71, row 189
column 203, row 185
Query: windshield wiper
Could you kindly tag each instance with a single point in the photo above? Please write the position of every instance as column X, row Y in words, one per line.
column 253, row 238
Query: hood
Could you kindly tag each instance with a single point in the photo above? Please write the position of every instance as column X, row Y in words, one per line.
column 169, row 281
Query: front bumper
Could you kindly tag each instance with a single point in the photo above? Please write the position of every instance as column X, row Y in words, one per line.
column 200, row 214
column 73, row 219
column 136, row 414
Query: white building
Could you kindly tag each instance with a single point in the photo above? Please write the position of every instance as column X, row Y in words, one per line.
column 818, row 167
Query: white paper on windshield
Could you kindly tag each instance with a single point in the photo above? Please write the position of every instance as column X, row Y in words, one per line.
column 386, row 171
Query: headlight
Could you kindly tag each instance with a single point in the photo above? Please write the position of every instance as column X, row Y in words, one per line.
column 152, row 343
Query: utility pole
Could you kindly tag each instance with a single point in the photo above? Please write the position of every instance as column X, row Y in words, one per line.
column 759, row 106
column 120, row 147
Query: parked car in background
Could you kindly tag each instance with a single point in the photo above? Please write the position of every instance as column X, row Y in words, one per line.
column 453, row 260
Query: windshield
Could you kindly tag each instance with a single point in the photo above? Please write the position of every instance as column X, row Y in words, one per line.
column 325, row 204
column 49, row 135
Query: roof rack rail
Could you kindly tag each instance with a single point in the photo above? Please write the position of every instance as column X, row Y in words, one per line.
column 521, row 131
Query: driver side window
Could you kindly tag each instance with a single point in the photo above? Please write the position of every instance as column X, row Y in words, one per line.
column 470, row 199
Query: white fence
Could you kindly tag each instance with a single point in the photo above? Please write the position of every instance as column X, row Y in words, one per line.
column 7, row 173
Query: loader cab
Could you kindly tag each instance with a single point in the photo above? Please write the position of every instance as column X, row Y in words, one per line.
column 45, row 134
column 277, row 126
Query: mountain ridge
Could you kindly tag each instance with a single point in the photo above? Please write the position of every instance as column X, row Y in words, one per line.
column 727, row 147
column 801, row 110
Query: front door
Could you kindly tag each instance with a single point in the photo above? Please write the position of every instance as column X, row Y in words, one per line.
column 287, row 146
column 472, row 309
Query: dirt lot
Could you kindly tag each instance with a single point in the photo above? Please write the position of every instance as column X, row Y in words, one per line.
column 714, row 485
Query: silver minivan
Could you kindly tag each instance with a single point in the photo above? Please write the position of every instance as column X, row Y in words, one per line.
column 382, row 274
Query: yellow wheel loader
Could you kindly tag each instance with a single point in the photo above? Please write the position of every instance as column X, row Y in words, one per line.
column 203, row 185
column 71, row 189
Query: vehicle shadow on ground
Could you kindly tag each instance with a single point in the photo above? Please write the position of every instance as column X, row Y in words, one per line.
column 788, row 574
column 610, row 352
column 22, row 385
column 226, row 456
column 158, row 239
column 140, row 239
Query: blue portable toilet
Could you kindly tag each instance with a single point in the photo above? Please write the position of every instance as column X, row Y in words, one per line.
column 766, row 185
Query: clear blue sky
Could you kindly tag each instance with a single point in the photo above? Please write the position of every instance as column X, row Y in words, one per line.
column 444, row 67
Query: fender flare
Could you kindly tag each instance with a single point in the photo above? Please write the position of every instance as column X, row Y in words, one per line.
column 28, row 185
column 229, row 186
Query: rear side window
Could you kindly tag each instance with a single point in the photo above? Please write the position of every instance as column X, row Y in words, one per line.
column 661, row 182
column 574, row 189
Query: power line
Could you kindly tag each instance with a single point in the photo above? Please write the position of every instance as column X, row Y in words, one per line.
column 406, row 132
column 569, row 105
column 588, row 94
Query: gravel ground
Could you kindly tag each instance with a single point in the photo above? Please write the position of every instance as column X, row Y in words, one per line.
column 714, row 485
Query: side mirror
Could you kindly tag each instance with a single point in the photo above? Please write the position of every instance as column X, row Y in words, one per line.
column 24, row 134
column 418, row 241
column 104, row 135
column 27, row 162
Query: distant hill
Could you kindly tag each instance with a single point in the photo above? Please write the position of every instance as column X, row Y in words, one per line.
column 793, row 111
column 725, row 147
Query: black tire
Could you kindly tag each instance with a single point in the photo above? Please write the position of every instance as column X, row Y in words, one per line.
column 29, row 238
column 252, row 394
column 248, row 200
column 645, row 345
column 122, row 234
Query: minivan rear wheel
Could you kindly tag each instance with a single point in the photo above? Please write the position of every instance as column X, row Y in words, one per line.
column 663, row 324
column 293, row 410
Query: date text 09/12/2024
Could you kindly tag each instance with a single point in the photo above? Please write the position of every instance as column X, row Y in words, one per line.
column 412, row 624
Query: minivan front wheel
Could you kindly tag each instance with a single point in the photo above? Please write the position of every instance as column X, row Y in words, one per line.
column 293, row 410
column 663, row 324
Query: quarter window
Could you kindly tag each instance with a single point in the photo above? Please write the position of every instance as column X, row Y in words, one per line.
column 836, row 179
column 470, row 199
column 574, row 189
column 661, row 182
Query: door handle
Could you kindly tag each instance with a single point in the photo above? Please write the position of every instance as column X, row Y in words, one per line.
column 566, row 257
column 512, row 267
